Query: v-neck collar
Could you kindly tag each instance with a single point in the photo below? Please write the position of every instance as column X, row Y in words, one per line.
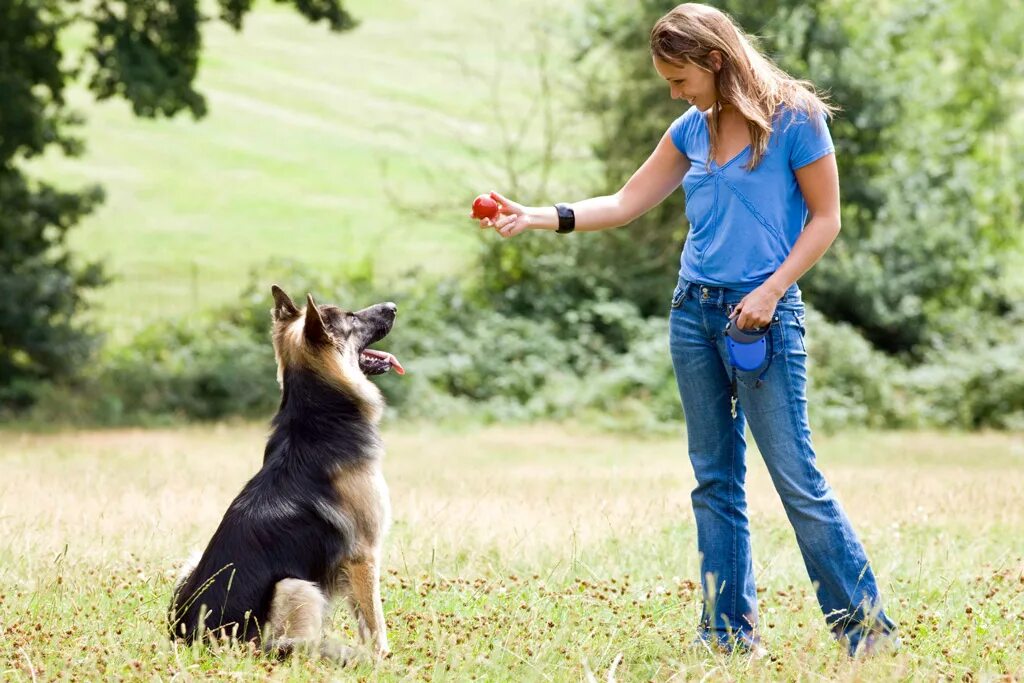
column 731, row 161
column 712, row 163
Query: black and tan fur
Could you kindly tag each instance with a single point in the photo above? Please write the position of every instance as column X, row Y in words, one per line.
column 308, row 527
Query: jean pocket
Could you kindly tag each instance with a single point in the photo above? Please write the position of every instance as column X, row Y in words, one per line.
column 801, row 327
column 677, row 296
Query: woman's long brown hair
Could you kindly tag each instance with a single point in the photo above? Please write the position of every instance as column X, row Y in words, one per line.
column 747, row 79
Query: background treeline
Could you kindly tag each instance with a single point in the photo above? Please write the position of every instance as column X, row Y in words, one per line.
column 915, row 312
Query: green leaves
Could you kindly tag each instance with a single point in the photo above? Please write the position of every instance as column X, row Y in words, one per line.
column 42, row 287
column 32, row 113
column 147, row 51
column 924, row 229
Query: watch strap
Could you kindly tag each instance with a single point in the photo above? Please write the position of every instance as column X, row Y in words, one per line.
column 566, row 218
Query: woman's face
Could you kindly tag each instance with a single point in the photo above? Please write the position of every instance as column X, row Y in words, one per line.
column 689, row 82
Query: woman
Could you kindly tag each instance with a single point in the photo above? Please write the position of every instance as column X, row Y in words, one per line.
column 755, row 158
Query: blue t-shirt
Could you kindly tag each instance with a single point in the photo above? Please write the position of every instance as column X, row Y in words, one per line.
column 743, row 223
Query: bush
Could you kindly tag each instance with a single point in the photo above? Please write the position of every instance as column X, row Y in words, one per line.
column 850, row 382
column 488, row 355
column 973, row 388
column 205, row 371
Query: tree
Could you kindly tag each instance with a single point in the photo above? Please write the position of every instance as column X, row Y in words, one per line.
column 146, row 51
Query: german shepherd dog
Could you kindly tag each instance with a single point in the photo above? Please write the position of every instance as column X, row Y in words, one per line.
column 308, row 527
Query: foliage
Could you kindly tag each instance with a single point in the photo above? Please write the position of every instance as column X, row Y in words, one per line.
column 469, row 361
column 146, row 51
column 939, row 83
column 42, row 286
column 851, row 382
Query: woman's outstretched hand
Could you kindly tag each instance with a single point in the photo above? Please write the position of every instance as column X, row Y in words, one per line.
column 511, row 220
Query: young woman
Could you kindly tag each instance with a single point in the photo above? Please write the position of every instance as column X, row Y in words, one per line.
column 755, row 159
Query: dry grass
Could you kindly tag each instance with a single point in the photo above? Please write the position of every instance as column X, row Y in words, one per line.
column 517, row 553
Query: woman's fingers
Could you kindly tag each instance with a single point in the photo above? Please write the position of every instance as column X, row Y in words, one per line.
column 507, row 219
column 506, row 203
column 752, row 321
column 512, row 228
column 739, row 317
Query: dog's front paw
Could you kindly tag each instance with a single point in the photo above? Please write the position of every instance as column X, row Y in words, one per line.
column 381, row 650
column 340, row 654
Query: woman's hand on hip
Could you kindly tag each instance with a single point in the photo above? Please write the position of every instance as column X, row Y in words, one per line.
column 512, row 217
column 756, row 309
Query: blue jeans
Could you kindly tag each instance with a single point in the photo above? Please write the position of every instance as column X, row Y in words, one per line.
column 773, row 400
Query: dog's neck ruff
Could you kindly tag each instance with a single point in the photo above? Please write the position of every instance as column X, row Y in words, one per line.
column 318, row 421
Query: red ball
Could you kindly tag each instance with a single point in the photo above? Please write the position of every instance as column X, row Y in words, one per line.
column 484, row 207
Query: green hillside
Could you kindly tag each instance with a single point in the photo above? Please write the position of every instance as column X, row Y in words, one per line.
column 310, row 138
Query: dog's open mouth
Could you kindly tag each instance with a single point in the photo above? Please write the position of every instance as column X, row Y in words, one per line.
column 374, row 362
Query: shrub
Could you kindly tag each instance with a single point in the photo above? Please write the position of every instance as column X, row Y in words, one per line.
column 596, row 359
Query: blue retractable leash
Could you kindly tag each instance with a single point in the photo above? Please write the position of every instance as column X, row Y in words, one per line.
column 750, row 351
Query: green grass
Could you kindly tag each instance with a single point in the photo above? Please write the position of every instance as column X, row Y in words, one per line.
column 320, row 147
column 516, row 554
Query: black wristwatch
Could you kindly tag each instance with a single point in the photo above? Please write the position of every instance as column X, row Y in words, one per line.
column 566, row 218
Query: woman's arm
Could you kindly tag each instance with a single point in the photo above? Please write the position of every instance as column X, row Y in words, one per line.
column 819, row 183
column 650, row 184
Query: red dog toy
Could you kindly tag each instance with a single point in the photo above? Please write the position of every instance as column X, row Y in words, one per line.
column 485, row 207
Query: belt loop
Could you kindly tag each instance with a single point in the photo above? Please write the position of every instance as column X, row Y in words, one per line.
column 686, row 289
column 721, row 296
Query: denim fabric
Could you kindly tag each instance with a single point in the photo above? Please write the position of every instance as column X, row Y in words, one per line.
column 776, row 409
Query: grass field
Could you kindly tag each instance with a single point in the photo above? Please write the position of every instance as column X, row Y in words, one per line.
column 517, row 554
column 311, row 136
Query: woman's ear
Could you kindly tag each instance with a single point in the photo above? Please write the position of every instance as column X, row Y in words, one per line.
column 716, row 58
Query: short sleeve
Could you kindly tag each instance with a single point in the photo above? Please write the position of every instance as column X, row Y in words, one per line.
column 810, row 140
column 679, row 131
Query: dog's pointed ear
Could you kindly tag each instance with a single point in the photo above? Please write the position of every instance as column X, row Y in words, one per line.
column 284, row 308
column 315, row 329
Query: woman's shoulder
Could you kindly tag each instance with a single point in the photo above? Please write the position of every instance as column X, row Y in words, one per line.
column 803, row 133
column 788, row 116
column 689, row 117
column 684, row 129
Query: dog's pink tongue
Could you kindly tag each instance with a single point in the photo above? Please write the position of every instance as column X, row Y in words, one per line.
column 395, row 364
column 384, row 355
